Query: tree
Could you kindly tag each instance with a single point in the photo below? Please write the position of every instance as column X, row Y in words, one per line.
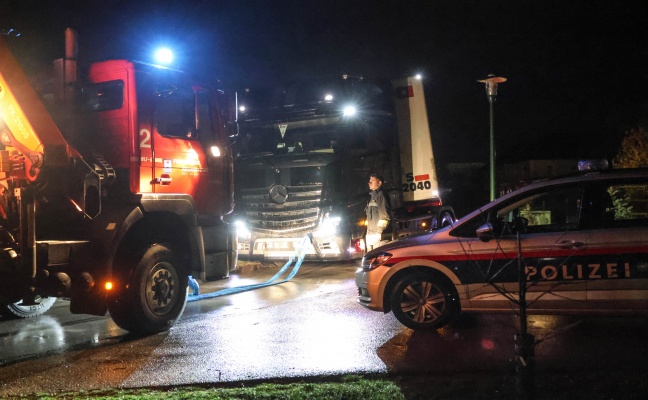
column 633, row 152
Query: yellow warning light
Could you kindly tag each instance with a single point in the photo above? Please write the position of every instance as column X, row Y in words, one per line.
column 108, row 285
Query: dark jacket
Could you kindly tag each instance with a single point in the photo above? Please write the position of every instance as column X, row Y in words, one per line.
column 377, row 209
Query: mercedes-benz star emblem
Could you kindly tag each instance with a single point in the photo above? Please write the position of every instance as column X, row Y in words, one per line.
column 278, row 194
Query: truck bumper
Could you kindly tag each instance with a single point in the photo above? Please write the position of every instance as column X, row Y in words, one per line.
column 322, row 249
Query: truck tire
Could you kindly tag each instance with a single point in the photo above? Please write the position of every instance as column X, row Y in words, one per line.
column 422, row 302
column 155, row 295
column 16, row 310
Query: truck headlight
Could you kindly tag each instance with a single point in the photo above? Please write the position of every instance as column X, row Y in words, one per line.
column 242, row 230
column 349, row 110
column 329, row 226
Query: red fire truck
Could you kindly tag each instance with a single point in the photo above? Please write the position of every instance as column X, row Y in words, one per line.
column 113, row 190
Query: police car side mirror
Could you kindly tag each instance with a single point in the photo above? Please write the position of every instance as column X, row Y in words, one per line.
column 501, row 230
column 486, row 233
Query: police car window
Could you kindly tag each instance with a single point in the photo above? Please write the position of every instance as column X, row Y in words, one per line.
column 553, row 210
column 616, row 205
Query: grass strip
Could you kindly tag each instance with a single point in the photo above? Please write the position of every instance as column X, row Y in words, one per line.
column 348, row 388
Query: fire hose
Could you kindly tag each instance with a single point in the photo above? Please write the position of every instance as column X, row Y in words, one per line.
column 298, row 255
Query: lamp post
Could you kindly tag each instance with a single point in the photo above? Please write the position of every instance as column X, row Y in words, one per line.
column 491, row 83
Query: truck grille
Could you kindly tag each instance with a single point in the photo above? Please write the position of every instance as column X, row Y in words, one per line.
column 300, row 211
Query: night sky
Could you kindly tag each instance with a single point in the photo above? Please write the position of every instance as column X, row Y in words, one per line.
column 577, row 70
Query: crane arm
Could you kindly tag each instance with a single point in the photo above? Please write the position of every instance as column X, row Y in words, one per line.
column 27, row 130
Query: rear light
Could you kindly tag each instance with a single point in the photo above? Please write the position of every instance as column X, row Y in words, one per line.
column 357, row 246
column 435, row 202
column 372, row 263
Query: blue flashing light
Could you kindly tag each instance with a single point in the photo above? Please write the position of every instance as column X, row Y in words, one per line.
column 164, row 56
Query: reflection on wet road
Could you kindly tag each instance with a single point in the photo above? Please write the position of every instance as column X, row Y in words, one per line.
column 309, row 326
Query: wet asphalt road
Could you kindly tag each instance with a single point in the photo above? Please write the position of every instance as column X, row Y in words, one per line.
column 309, row 326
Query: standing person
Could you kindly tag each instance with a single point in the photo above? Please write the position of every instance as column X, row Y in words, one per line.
column 377, row 212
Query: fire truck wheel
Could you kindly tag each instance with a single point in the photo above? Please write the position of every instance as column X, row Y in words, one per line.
column 422, row 302
column 17, row 310
column 155, row 296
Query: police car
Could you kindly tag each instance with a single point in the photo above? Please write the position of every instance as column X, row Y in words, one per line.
column 575, row 244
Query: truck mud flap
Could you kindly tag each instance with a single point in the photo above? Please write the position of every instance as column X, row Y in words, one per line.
column 220, row 249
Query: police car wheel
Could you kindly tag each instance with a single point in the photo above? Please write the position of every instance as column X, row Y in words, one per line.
column 422, row 302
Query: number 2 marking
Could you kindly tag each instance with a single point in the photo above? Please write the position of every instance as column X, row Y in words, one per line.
column 145, row 139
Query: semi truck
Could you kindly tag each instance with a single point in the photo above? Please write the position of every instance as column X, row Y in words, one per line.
column 113, row 189
column 303, row 160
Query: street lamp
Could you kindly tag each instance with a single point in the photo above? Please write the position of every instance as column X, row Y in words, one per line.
column 491, row 83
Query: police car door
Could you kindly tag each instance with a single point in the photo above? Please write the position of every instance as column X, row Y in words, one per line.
column 615, row 215
column 551, row 245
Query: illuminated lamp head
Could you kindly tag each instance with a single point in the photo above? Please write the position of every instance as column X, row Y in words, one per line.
column 164, row 56
column 349, row 111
